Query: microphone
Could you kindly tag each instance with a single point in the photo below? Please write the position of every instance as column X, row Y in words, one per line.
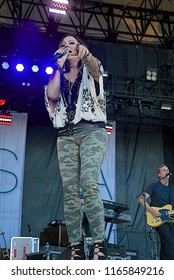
column 58, row 55
column 168, row 174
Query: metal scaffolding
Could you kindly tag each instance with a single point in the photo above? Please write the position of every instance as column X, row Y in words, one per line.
column 141, row 22
column 136, row 99
column 145, row 21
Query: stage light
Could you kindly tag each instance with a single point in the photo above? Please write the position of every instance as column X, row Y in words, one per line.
column 56, row 11
column 59, row 6
column 24, row 84
column 151, row 74
column 5, row 65
column 66, row 2
column 35, row 68
column 5, row 118
column 19, row 67
column 166, row 106
column 109, row 128
column 2, row 102
column 49, row 70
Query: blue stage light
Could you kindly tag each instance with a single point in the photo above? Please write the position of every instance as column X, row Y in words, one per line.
column 49, row 70
column 5, row 65
column 35, row 68
column 19, row 67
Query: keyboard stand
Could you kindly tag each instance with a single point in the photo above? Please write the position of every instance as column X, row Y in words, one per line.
column 111, row 221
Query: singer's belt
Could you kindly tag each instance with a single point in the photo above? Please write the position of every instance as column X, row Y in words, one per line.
column 71, row 129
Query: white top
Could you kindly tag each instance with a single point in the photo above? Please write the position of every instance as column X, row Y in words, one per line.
column 90, row 106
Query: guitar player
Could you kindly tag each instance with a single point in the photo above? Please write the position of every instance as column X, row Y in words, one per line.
column 158, row 200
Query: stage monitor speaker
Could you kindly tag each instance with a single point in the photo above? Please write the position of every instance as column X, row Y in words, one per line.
column 116, row 252
column 64, row 255
column 36, row 256
column 20, row 246
column 52, row 255
column 132, row 254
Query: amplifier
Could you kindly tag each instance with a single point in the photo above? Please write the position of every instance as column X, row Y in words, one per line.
column 20, row 246
column 116, row 252
column 37, row 256
column 132, row 254
column 52, row 255
column 64, row 255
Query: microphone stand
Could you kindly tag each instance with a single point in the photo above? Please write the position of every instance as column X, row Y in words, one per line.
column 145, row 209
column 155, row 248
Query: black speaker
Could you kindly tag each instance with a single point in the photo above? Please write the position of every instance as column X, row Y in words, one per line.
column 64, row 255
column 116, row 252
column 132, row 254
column 36, row 256
column 52, row 255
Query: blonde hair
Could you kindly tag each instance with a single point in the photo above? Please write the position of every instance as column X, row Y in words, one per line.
column 162, row 165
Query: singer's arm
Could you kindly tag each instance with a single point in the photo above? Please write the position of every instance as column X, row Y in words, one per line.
column 53, row 87
column 93, row 65
column 89, row 60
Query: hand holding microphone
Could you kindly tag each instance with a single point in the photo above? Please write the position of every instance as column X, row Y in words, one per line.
column 81, row 51
column 60, row 57
column 61, row 52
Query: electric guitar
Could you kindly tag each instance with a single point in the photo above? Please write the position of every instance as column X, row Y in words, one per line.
column 167, row 216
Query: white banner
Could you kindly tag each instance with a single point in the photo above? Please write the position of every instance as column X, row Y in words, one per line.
column 107, row 179
column 12, row 157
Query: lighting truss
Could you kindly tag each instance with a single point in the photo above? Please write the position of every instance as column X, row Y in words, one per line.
column 149, row 22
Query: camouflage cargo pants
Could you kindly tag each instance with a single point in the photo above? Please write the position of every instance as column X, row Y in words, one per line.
column 80, row 158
